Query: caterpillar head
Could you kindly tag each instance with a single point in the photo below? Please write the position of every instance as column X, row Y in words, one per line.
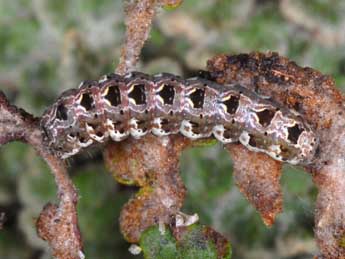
column 57, row 118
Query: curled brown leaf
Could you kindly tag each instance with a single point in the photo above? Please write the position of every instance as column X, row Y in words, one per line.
column 257, row 177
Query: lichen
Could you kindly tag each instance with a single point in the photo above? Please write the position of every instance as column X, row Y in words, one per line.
column 193, row 242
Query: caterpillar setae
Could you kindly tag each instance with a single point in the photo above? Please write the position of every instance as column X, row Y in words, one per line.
column 136, row 104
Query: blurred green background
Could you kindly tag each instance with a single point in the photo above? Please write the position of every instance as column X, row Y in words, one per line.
column 47, row 46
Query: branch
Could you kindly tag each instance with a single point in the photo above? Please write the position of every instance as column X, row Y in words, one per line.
column 315, row 96
column 139, row 16
column 15, row 123
column 57, row 224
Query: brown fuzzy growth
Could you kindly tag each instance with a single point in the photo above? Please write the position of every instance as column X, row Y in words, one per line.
column 152, row 164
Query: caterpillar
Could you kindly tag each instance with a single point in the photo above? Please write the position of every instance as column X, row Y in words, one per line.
column 136, row 104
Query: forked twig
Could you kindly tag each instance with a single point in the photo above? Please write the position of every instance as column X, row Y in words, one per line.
column 57, row 223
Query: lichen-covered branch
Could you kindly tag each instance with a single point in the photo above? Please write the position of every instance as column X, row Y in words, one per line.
column 15, row 123
column 330, row 210
column 314, row 96
column 139, row 16
column 57, row 224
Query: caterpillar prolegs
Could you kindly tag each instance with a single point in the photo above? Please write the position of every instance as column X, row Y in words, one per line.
column 136, row 104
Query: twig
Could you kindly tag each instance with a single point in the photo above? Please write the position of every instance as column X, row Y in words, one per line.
column 57, row 223
column 139, row 15
column 15, row 124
